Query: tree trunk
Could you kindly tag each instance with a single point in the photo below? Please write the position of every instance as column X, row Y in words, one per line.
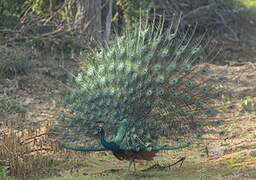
column 88, row 18
column 108, row 21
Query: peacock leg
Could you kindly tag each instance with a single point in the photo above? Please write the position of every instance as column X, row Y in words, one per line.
column 128, row 169
column 134, row 165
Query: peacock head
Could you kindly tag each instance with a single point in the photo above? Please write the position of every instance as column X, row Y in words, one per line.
column 101, row 131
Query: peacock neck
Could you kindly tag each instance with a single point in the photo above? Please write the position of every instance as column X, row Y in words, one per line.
column 102, row 138
column 115, row 144
column 108, row 145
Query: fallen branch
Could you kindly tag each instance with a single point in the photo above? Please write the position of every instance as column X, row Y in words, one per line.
column 158, row 166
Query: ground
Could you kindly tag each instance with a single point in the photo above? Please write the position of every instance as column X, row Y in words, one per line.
column 36, row 104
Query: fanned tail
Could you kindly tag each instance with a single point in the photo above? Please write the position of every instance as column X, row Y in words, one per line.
column 152, row 91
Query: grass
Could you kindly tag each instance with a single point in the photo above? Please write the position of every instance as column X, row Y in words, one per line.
column 106, row 167
column 14, row 61
column 10, row 106
column 4, row 171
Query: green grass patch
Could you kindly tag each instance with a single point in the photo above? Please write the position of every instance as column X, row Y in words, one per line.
column 4, row 171
column 10, row 106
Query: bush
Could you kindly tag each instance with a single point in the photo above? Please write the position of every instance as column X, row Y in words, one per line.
column 10, row 106
column 14, row 62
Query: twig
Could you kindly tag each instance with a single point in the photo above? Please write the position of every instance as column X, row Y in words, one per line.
column 9, row 30
column 197, row 10
column 22, row 18
column 36, row 150
column 58, row 30
column 158, row 166
column 8, row 150
column 228, row 27
column 22, row 142
column 57, row 12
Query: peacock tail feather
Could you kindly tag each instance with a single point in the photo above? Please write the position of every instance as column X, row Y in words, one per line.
column 149, row 89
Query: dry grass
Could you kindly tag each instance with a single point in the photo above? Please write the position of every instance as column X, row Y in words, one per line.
column 31, row 154
column 26, row 150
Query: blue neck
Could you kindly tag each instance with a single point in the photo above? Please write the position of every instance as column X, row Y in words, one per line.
column 102, row 139
column 108, row 145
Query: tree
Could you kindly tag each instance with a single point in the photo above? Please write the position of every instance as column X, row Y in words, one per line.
column 88, row 18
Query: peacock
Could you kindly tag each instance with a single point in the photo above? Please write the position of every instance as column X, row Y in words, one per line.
column 149, row 89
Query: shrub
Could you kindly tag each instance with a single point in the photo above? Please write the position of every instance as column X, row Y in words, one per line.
column 14, row 62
